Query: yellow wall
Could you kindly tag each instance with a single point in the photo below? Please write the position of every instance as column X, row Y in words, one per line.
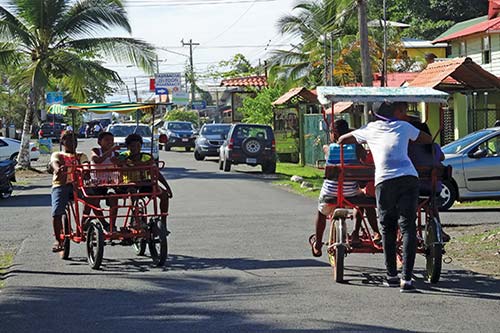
column 421, row 52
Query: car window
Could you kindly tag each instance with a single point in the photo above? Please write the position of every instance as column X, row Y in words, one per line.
column 215, row 130
column 243, row 132
column 180, row 126
column 491, row 146
column 457, row 146
column 3, row 143
column 121, row 131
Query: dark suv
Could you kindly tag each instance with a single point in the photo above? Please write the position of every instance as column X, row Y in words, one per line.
column 177, row 134
column 249, row 144
column 50, row 130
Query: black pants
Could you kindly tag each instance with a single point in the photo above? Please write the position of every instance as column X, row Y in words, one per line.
column 397, row 202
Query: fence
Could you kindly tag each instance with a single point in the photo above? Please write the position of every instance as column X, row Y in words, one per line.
column 314, row 139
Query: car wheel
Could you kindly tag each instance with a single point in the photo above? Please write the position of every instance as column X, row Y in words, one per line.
column 188, row 148
column 167, row 148
column 198, row 156
column 269, row 167
column 448, row 196
column 14, row 156
column 227, row 165
column 160, row 147
column 221, row 164
column 252, row 146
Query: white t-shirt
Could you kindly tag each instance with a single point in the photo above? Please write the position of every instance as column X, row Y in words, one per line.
column 388, row 142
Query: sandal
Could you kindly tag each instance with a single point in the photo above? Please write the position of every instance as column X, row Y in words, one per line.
column 377, row 239
column 57, row 247
column 315, row 251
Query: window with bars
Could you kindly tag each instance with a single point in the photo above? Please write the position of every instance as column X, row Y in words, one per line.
column 486, row 49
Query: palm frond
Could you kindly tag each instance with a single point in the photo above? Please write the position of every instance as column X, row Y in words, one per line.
column 12, row 29
column 90, row 16
column 9, row 55
column 121, row 49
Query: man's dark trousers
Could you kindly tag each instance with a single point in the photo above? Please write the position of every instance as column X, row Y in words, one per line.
column 397, row 202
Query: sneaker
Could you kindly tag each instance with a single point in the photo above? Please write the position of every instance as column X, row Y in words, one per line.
column 391, row 281
column 408, row 287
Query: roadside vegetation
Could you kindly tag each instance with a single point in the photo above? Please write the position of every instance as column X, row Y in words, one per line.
column 6, row 259
column 314, row 176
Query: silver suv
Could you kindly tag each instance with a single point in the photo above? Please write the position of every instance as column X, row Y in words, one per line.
column 475, row 160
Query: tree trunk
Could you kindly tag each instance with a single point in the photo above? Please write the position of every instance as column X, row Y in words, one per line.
column 23, row 158
column 366, row 70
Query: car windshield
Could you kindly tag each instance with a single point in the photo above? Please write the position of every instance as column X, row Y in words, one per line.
column 457, row 146
column 215, row 130
column 180, row 126
column 121, row 131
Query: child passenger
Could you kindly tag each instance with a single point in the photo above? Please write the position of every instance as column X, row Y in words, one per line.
column 105, row 156
column 134, row 157
column 62, row 163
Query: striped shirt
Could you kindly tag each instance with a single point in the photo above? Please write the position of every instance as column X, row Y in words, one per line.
column 330, row 187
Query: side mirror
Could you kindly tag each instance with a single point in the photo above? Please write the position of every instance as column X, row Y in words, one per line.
column 479, row 153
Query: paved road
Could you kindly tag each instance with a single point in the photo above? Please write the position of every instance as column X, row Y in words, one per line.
column 239, row 262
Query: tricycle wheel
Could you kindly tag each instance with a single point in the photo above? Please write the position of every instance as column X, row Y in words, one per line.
column 158, row 247
column 139, row 246
column 336, row 253
column 433, row 260
column 95, row 245
column 66, row 241
column 338, row 270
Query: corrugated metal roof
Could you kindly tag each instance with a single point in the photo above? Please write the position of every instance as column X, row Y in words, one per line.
column 493, row 9
column 247, row 81
column 462, row 25
column 485, row 26
column 458, row 71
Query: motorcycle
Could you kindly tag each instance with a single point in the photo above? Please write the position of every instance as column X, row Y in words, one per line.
column 7, row 177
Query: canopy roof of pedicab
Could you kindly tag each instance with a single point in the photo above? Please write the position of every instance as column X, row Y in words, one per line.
column 121, row 108
column 328, row 95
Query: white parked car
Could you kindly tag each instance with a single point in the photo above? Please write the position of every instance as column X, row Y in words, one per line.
column 121, row 131
column 9, row 149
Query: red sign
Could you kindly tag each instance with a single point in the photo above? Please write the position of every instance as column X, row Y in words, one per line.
column 152, row 84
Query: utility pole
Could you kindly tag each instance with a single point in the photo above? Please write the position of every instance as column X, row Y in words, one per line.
column 384, row 64
column 366, row 70
column 136, row 100
column 326, row 60
column 191, row 65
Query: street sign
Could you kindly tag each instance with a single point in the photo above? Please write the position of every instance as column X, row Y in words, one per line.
column 54, row 97
column 161, row 91
column 170, row 81
column 199, row 105
column 180, row 97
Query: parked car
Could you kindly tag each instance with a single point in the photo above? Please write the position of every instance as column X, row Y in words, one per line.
column 475, row 160
column 7, row 176
column 121, row 131
column 50, row 130
column 211, row 137
column 249, row 144
column 9, row 149
column 177, row 134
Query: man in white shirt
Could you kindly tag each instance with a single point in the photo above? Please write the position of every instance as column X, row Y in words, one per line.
column 396, row 185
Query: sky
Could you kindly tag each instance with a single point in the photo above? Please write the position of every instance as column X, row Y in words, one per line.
column 221, row 27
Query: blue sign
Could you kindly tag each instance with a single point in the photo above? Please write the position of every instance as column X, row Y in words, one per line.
column 54, row 97
column 199, row 105
column 161, row 91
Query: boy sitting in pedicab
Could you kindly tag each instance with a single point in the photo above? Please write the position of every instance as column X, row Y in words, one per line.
column 352, row 154
column 105, row 156
column 133, row 157
column 63, row 166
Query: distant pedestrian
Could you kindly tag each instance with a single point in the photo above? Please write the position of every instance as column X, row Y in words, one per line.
column 69, row 128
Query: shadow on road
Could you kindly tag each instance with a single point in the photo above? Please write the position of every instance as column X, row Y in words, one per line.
column 167, row 304
column 27, row 200
column 179, row 173
column 453, row 283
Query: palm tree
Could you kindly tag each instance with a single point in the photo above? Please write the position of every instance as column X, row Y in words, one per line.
column 316, row 23
column 58, row 39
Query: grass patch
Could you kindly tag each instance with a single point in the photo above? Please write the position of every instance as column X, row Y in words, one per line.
column 476, row 248
column 480, row 203
column 310, row 174
column 6, row 259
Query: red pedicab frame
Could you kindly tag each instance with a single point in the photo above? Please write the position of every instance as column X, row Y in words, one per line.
column 429, row 235
column 136, row 187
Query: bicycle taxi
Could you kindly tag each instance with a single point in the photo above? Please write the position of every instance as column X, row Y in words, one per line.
column 429, row 232
column 137, row 220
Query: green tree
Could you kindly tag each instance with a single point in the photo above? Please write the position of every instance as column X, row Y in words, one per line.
column 183, row 115
column 238, row 65
column 57, row 39
column 258, row 109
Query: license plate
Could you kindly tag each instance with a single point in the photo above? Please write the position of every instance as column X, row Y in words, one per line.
column 251, row 160
column 185, row 140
